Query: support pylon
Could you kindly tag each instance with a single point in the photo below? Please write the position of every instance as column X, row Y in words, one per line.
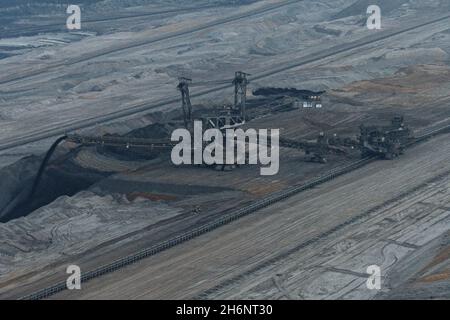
column 183, row 86
column 240, row 92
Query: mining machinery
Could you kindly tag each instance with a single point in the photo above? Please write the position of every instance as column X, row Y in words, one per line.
column 318, row 150
column 228, row 117
column 388, row 141
column 122, row 142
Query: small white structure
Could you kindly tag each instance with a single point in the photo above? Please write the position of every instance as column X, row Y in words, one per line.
column 307, row 104
column 312, row 102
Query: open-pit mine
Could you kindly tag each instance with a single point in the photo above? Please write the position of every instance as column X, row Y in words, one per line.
column 254, row 149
